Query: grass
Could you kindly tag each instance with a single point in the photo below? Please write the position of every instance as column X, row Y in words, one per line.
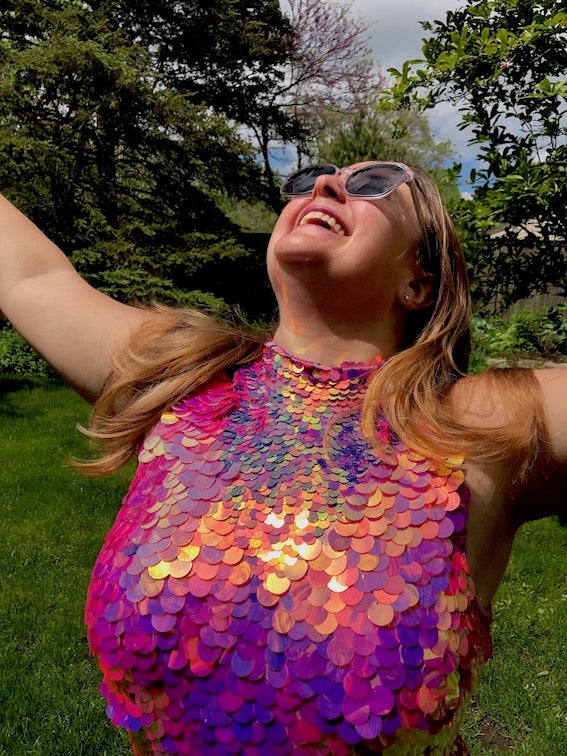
column 53, row 525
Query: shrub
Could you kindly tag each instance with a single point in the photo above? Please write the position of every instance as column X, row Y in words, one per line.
column 17, row 357
column 533, row 334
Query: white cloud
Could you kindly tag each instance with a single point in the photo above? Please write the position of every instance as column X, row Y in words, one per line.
column 396, row 34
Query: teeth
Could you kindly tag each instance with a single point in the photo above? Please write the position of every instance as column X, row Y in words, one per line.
column 328, row 219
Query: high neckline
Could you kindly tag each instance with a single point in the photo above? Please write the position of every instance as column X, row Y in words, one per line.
column 274, row 353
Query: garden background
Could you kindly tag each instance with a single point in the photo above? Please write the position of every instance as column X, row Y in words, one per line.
column 140, row 137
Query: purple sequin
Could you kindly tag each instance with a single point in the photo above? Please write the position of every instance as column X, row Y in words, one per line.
column 274, row 585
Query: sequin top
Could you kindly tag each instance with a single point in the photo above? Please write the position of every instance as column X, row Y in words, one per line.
column 273, row 585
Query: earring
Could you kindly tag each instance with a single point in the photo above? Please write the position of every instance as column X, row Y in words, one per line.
column 406, row 297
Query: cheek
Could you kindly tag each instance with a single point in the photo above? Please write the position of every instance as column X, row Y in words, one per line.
column 384, row 233
column 288, row 215
column 377, row 237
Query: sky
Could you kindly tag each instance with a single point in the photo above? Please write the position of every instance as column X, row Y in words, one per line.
column 395, row 35
column 395, row 30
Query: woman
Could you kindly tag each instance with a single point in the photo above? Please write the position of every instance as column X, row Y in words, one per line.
column 306, row 557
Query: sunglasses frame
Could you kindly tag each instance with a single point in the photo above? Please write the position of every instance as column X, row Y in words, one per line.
column 406, row 176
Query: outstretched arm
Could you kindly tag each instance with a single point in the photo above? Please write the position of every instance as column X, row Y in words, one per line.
column 523, row 418
column 76, row 328
column 553, row 486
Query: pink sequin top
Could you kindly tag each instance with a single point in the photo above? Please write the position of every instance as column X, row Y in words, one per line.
column 273, row 586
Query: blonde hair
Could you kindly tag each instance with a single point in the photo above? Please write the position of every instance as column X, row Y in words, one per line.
column 171, row 355
column 413, row 388
column 176, row 351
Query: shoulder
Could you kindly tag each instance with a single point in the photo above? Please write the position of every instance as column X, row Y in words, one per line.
column 553, row 385
column 519, row 419
column 519, row 397
column 505, row 400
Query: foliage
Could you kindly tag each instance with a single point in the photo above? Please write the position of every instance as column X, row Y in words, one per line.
column 330, row 70
column 17, row 357
column 255, row 217
column 381, row 133
column 113, row 136
column 502, row 64
column 534, row 334
column 234, row 56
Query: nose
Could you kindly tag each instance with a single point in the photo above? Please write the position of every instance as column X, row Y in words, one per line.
column 330, row 186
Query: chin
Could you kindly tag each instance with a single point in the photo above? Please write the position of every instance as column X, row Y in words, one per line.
column 300, row 257
column 289, row 250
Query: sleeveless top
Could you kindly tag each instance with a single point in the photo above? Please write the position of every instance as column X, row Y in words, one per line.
column 275, row 585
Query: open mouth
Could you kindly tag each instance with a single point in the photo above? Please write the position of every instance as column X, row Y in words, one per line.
column 317, row 218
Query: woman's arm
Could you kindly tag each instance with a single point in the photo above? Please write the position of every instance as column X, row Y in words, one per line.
column 550, row 480
column 553, row 382
column 522, row 415
column 76, row 328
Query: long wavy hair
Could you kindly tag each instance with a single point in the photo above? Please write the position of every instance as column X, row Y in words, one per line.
column 176, row 351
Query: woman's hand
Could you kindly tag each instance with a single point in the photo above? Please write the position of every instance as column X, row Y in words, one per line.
column 76, row 328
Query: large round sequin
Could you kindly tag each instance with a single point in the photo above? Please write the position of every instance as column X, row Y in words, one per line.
column 272, row 585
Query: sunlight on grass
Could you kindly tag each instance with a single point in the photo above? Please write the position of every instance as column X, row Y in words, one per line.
column 54, row 522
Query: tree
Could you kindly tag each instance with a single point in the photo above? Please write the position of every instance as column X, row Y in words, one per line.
column 327, row 71
column 380, row 133
column 330, row 70
column 123, row 164
column 231, row 55
column 502, row 63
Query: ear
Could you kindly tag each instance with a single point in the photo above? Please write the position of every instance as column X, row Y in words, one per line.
column 423, row 290
column 417, row 293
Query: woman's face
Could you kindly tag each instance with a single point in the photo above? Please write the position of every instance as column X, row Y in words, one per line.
column 363, row 247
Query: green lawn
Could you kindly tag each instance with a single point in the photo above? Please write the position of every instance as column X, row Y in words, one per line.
column 53, row 524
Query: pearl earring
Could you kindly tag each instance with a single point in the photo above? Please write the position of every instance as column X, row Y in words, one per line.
column 407, row 297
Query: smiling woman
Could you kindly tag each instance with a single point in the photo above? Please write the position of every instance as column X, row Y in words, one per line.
column 323, row 219
column 307, row 554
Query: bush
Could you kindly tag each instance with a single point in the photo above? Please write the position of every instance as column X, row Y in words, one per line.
column 543, row 331
column 533, row 334
column 17, row 357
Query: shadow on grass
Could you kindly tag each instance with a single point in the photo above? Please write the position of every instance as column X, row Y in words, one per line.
column 11, row 383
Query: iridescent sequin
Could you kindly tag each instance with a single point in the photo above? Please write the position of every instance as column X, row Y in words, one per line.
column 272, row 586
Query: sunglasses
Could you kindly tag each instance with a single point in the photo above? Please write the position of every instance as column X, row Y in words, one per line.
column 372, row 181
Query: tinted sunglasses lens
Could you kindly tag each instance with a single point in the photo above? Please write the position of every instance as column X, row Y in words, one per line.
column 303, row 181
column 376, row 179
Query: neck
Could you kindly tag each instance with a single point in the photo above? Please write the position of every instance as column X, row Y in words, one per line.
column 340, row 321
column 332, row 344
